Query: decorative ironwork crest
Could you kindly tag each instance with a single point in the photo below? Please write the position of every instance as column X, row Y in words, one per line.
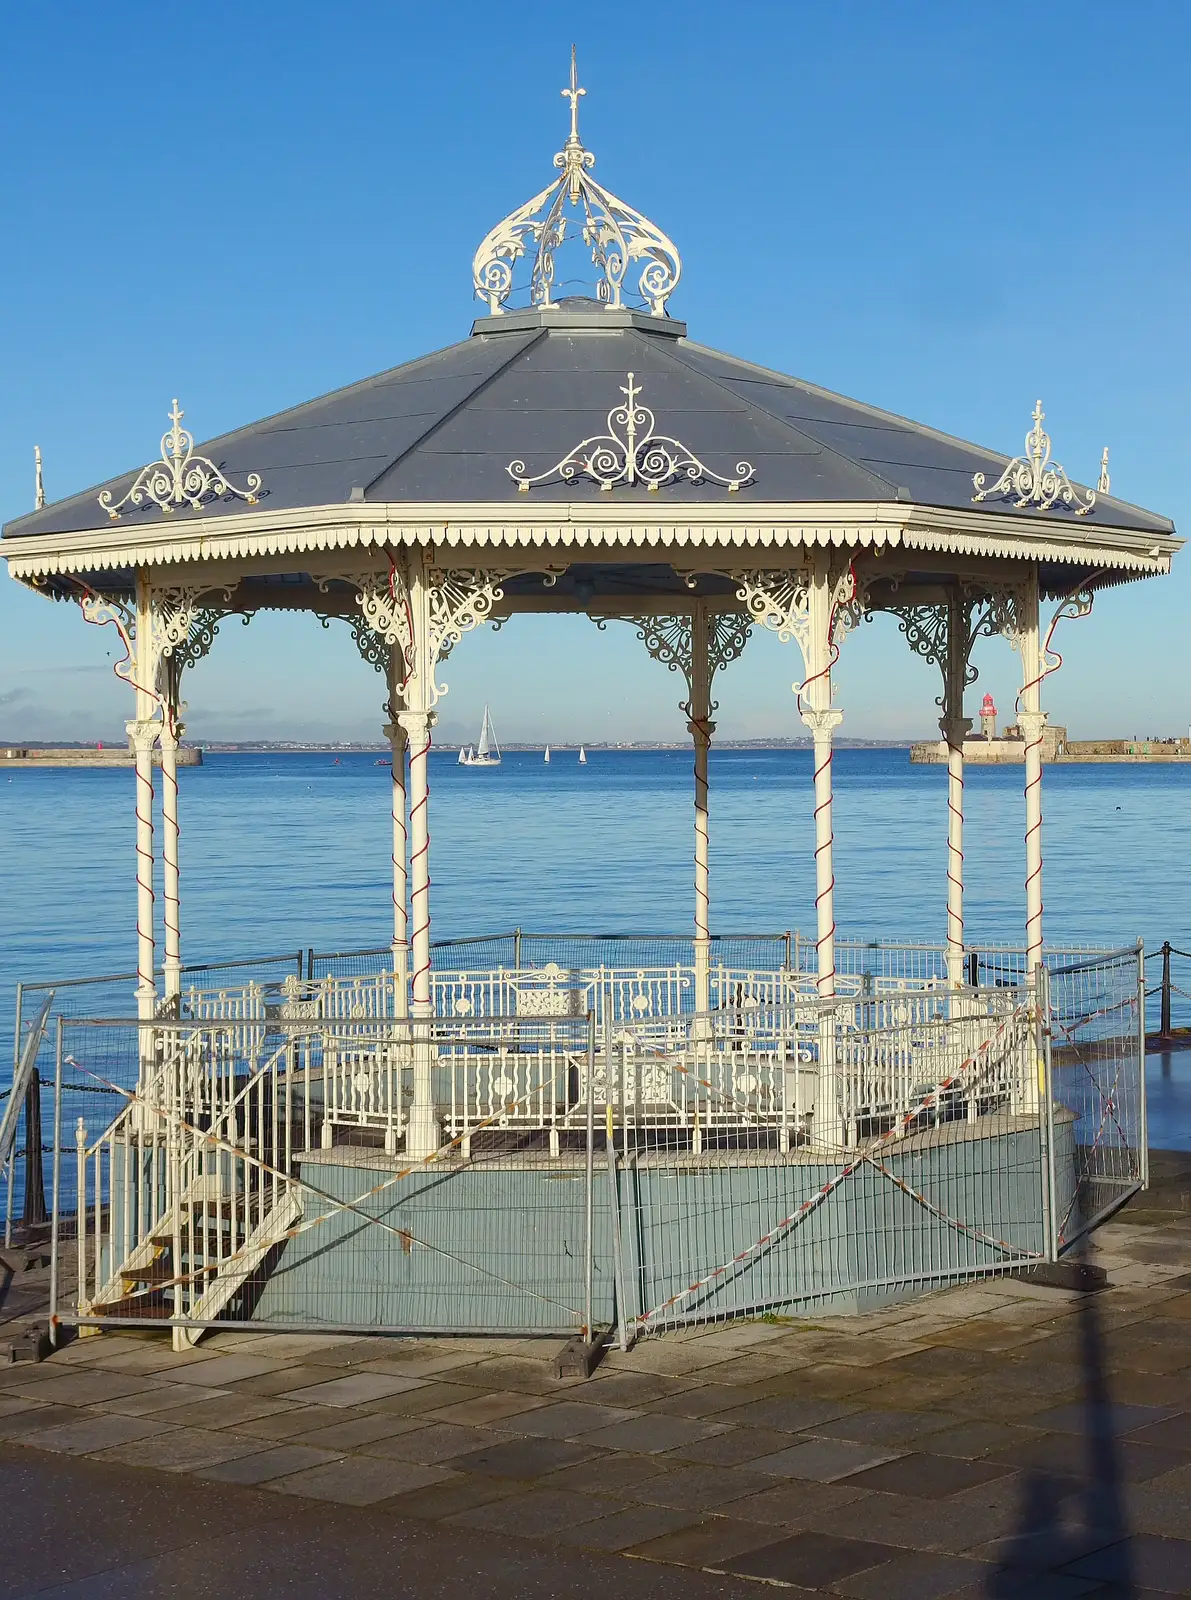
column 180, row 478
column 1104, row 482
column 1035, row 479
column 630, row 453
column 614, row 231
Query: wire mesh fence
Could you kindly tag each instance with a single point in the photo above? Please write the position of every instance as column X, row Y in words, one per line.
column 604, row 1154
column 1097, row 1076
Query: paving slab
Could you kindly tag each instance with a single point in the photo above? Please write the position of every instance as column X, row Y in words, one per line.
column 698, row 1488
column 486, row 1409
column 331, row 1432
column 1152, row 1563
column 218, row 1371
column 356, row 1389
column 438, row 1441
column 647, row 1435
column 930, row 1477
column 87, row 1433
column 357, row 1480
column 182, row 1450
column 920, row 1576
column 565, row 1419
column 524, row 1458
column 797, row 1504
column 952, row 1526
column 262, row 1465
column 627, row 1526
column 811, row 1560
column 705, row 1542
column 733, row 1448
column 532, row 1514
column 822, row 1460
column 785, row 1414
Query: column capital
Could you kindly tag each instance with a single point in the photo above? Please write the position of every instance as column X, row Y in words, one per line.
column 955, row 730
column 394, row 731
column 1031, row 724
column 822, row 723
column 415, row 722
column 144, row 733
column 700, row 728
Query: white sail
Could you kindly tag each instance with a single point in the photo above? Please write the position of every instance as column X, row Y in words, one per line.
column 582, row 756
column 546, row 757
column 486, row 752
column 462, row 755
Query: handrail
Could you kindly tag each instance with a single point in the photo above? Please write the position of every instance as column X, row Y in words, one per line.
column 20, row 1083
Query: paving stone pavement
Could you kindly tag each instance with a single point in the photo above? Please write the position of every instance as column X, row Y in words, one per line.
column 997, row 1439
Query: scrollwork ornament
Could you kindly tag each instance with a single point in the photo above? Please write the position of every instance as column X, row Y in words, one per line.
column 615, row 232
column 1034, row 478
column 180, row 477
column 631, row 452
column 779, row 601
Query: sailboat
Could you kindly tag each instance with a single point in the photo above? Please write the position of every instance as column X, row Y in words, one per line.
column 546, row 757
column 486, row 752
column 582, row 756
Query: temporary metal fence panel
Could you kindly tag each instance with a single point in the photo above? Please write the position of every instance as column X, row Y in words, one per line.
column 1097, row 1079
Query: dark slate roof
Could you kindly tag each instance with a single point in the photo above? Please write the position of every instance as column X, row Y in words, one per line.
column 531, row 385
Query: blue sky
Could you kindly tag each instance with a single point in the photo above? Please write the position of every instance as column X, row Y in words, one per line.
column 944, row 210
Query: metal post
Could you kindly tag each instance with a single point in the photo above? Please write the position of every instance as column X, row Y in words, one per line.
column 1051, row 1222
column 1143, row 1123
column 54, row 1227
column 617, row 1255
column 170, row 733
column 701, row 729
column 1164, row 1023
column 16, row 1063
column 34, row 1212
column 973, row 970
column 395, row 734
column 516, row 949
column 589, row 1241
column 1031, row 720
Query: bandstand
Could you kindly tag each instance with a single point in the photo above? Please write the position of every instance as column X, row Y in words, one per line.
column 542, row 1134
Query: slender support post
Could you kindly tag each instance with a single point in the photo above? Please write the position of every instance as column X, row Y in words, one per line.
column 701, row 729
column 1164, row 1021
column 415, row 721
column 395, row 734
column 955, row 728
column 170, row 733
column 1032, row 720
column 822, row 719
column 143, row 734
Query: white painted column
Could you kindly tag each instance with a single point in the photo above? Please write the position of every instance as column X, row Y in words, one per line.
column 142, row 732
column 416, row 720
column 401, row 845
column 701, row 730
column 1031, row 720
column 170, row 733
column 822, row 719
column 955, row 727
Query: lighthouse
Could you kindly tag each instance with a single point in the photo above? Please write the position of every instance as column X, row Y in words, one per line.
column 988, row 718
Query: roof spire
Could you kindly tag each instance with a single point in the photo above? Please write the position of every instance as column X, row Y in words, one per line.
column 616, row 234
column 38, row 481
column 574, row 94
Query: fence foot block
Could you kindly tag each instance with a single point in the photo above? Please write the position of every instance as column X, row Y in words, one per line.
column 31, row 1344
column 578, row 1358
column 1080, row 1276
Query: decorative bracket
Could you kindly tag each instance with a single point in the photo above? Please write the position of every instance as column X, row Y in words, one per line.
column 671, row 640
column 179, row 478
column 630, row 453
column 779, row 601
column 1035, row 479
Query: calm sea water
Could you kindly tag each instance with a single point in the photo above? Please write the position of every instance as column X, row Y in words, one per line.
column 285, row 851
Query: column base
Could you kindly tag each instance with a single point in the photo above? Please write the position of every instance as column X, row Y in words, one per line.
column 423, row 1135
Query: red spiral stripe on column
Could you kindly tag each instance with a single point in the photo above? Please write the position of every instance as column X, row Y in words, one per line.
column 420, row 900
column 701, row 727
column 825, row 979
column 171, row 905
column 398, row 809
column 144, row 864
column 955, row 811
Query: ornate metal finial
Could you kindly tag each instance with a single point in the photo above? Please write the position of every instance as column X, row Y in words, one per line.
column 616, row 234
column 1104, row 483
column 38, row 483
column 180, row 477
column 1034, row 478
column 635, row 454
